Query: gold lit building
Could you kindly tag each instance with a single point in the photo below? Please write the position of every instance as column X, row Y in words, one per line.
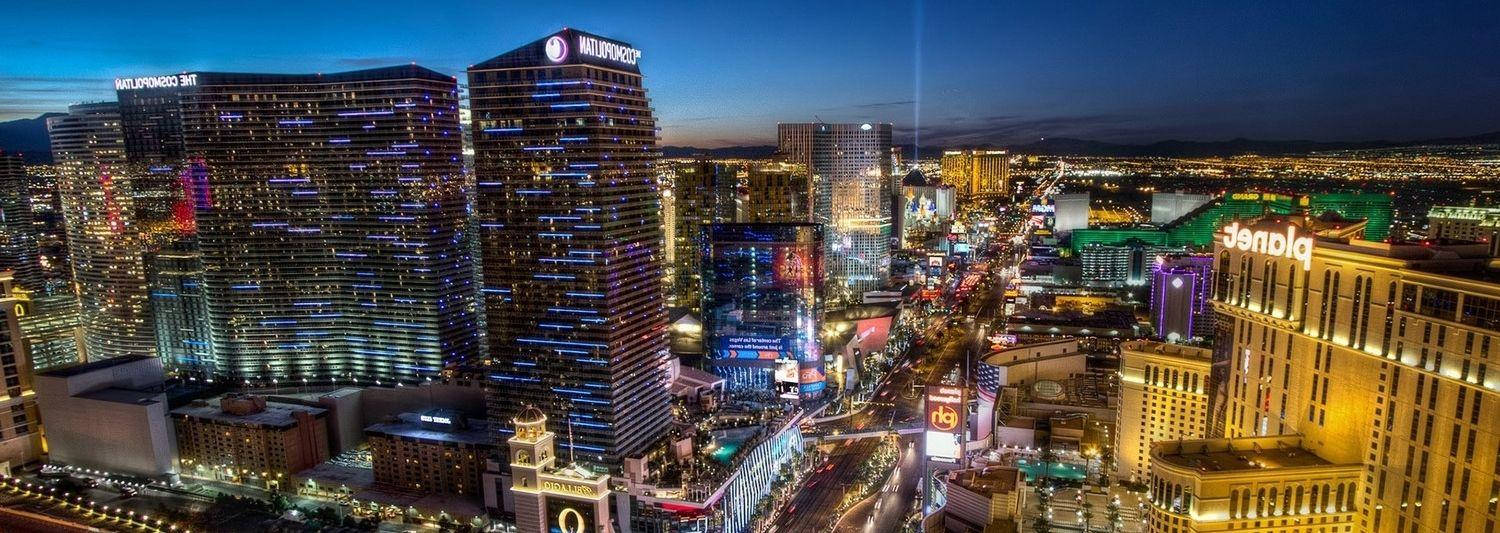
column 776, row 192
column 545, row 496
column 977, row 172
column 1163, row 396
column 1372, row 354
column 1252, row 484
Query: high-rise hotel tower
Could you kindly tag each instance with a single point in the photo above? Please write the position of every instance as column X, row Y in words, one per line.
column 1360, row 392
column 330, row 214
column 97, row 188
column 851, row 168
column 570, row 236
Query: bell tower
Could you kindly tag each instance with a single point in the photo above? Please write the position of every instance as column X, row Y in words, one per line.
column 531, row 454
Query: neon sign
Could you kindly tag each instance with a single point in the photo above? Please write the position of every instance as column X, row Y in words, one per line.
column 156, row 82
column 1287, row 245
column 610, row 51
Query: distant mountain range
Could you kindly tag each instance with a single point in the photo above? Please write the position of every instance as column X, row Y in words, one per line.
column 1232, row 147
column 29, row 137
column 747, row 152
column 1170, row 148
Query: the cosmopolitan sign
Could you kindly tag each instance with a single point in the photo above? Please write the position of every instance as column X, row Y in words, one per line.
column 608, row 51
column 156, row 82
column 1270, row 243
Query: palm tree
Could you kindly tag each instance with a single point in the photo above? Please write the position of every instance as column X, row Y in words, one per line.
column 1113, row 513
column 1043, row 521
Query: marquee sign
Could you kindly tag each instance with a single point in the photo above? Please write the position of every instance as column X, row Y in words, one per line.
column 942, row 436
column 1276, row 244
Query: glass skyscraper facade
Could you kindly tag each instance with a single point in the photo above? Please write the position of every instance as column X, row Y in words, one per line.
column 852, row 197
column 703, row 193
column 97, row 187
column 18, row 242
column 331, row 220
column 184, row 338
column 764, row 307
column 571, row 241
column 46, row 308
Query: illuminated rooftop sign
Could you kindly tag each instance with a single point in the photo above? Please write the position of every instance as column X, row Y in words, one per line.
column 607, row 50
column 156, row 82
column 1277, row 244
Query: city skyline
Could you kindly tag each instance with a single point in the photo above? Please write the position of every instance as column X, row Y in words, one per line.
column 982, row 74
column 760, row 268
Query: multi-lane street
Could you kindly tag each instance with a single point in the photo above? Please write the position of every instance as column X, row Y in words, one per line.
column 948, row 340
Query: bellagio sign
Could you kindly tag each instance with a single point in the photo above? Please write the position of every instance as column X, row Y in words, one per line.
column 1270, row 243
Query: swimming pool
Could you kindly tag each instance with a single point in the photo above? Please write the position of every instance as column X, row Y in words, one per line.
column 1034, row 469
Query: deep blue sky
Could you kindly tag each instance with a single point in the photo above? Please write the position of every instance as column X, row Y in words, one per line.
column 724, row 73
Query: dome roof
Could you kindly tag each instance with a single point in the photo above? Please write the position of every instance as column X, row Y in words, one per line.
column 530, row 415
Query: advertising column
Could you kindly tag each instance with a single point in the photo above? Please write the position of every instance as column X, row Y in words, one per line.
column 942, row 440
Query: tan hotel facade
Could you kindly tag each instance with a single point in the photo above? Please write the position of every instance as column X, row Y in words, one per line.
column 1163, row 396
column 1364, row 355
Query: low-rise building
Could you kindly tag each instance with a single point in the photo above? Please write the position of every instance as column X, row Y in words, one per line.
column 983, row 499
column 1253, row 484
column 1457, row 223
column 128, row 391
column 436, row 452
column 243, row 437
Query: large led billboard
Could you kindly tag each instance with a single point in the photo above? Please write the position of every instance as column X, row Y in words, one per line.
column 943, row 431
column 763, row 305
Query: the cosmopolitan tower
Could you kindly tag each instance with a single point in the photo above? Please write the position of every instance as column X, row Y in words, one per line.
column 331, row 215
column 570, row 238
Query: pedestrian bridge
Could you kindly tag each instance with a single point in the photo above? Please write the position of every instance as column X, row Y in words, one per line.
column 862, row 435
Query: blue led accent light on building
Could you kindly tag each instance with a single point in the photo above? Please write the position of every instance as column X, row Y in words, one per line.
column 538, row 179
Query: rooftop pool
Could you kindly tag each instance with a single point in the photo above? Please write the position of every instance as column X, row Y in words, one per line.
column 1034, row 469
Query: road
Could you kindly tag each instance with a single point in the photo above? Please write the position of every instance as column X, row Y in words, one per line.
column 953, row 336
column 813, row 507
column 887, row 510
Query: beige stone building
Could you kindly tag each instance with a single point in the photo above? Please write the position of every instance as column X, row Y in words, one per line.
column 1163, row 397
column 1369, row 354
column 1252, row 484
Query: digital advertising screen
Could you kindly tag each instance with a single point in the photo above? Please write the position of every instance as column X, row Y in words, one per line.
column 943, row 431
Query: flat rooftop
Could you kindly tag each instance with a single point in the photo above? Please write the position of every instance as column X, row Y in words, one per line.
column 116, row 395
column 276, row 415
column 408, row 426
column 1237, row 455
column 1162, row 348
column 987, row 481
column 84, row 368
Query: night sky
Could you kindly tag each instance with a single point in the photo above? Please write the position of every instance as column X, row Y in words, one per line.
column 723, row 74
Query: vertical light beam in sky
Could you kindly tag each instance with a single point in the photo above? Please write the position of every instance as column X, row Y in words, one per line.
column 916, row 105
